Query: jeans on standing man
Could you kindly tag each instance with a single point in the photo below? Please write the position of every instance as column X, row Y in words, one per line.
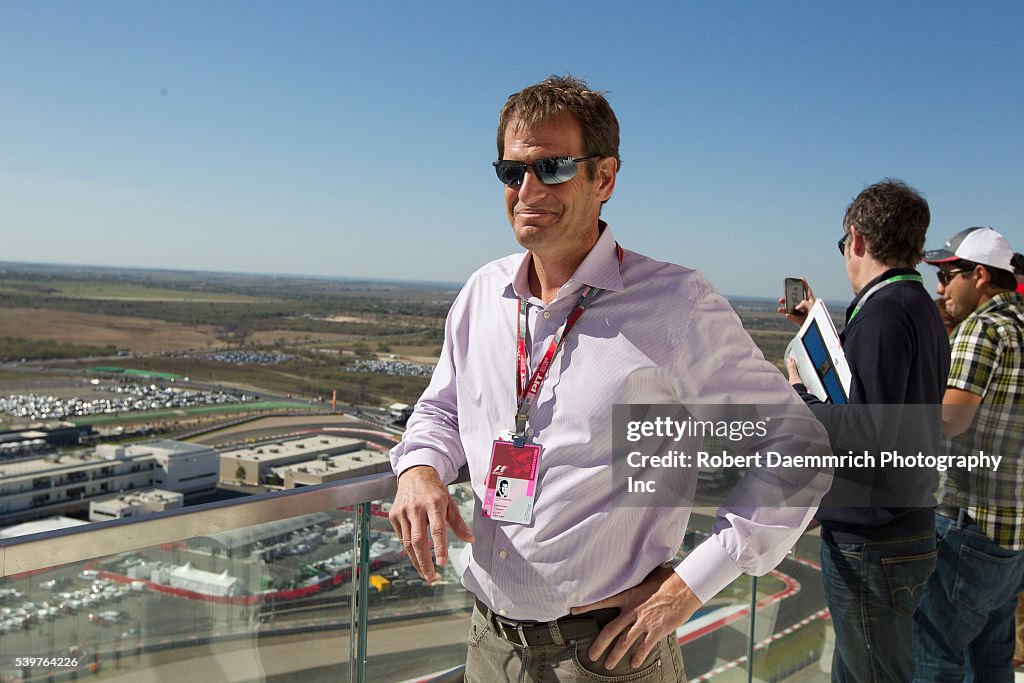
column 973, row 599
column 876, row 586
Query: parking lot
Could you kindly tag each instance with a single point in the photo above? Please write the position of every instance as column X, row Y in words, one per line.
column 115, row 398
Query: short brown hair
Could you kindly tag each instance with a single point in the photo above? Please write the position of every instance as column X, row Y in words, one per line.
column 893, row 219
column 557, row 96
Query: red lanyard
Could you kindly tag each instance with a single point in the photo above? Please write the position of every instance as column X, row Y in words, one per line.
column 527, row 390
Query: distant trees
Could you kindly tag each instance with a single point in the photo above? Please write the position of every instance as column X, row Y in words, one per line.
column 17, row 348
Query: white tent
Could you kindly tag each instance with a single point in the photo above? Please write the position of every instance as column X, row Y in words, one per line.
column 189, row 578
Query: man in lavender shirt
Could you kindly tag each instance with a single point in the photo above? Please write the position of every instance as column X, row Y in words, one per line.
column 584, row 585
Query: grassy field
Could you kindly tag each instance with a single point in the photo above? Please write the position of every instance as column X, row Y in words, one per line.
column 141, row 335
column 134, row 292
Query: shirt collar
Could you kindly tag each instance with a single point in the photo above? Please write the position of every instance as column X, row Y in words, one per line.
column 1001, row 299
column 600, row 269
column 892, row 272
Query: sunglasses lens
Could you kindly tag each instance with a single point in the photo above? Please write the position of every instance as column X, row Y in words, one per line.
column 510, row 172
column 555, row 170
column 946, row 276
column 550, row 171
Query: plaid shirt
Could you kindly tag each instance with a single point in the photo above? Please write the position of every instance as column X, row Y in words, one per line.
column 988, row 360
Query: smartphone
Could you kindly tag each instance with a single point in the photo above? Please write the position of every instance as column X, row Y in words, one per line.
column 794, row 293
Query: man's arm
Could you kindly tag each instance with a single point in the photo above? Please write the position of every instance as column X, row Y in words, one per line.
column 718, row 365
column 958, row 410
column 880, row 351
column 429, row 455
column 975, row 351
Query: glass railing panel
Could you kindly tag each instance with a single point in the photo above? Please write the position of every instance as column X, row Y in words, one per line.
column 253, row 602
column 418, row 631
column 793, row 638
column 714, row 641
column 415, row 630
column 245, row 604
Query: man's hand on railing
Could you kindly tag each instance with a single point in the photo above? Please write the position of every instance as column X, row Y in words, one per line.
column 422, row 510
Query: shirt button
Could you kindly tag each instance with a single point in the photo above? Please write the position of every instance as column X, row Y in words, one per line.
column 529, row 431
column 503, row 554
column 547, row 314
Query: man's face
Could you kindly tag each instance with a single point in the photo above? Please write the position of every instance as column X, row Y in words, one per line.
column 960, row 293
column 560, row 220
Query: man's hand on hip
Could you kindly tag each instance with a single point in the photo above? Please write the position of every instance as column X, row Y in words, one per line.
column 420, row 513
column 656, row 607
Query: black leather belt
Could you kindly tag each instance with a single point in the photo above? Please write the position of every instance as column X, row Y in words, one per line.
column 953, row 512
column 536, row 633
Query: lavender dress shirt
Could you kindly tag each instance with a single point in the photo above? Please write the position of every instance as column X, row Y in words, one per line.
column 658, row 334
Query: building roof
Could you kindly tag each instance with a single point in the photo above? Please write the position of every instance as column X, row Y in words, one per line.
column 141, row 496
column 305, row 448
column 39, row 526
column 337, row 463
column 176, row 447
column 104, row 454
column 241, row 538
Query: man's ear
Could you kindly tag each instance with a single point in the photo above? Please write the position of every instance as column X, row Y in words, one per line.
column 857, row 241
column 607, row 169
column 982, row 277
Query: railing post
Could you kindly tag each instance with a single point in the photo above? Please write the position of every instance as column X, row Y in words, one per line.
column 753, row 625
column 360, row 593
column 353, row 602
column 364, row 587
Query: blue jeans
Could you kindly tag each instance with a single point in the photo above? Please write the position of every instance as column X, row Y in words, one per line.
column 964, row 627
column 872, row 590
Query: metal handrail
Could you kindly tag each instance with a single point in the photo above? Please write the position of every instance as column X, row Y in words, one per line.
column 77, row 544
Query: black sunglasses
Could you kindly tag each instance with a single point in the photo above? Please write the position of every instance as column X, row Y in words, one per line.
column 550, row 171
column 946, row 276
column 842, row 243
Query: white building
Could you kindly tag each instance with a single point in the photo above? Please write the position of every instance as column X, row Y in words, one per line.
column 184, row 467
column 134, row 504
column 333, row 468
column 58, row 484
column 252, row 465
column 400, row 412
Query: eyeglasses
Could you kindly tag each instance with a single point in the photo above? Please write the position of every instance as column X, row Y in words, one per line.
column 946, row 276
column 842, row 243
column 550, row 171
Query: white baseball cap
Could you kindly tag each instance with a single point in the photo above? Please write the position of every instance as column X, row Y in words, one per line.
column 978, row 245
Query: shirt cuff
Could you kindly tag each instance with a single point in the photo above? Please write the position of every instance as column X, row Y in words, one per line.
column 425, row 456
column 708, row 569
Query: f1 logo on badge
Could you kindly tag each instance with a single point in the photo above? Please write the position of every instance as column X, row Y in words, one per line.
column 499, row 469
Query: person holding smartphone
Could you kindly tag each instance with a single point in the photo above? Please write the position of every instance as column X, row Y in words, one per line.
column 875, row 558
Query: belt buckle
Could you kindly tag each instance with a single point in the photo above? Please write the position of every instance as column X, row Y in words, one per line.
column 501, row 625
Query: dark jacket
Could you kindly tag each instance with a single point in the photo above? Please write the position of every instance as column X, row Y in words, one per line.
column 898, row 353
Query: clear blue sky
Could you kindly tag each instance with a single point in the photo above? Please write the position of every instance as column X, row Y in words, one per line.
column 355, row 139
